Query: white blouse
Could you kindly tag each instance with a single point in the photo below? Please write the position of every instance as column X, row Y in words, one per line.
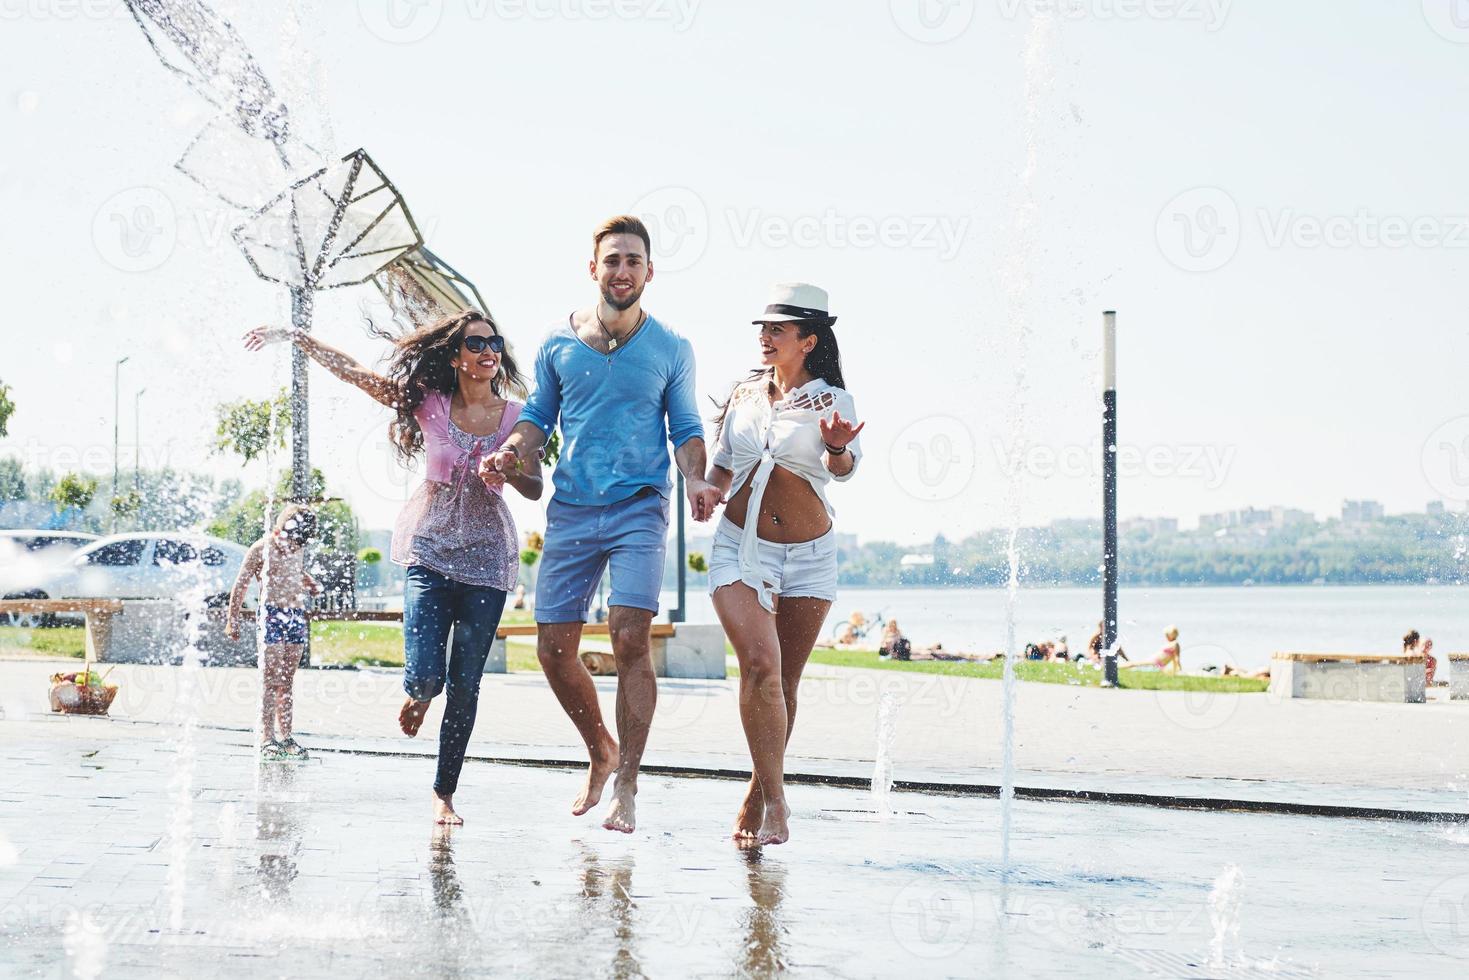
column 758, row 435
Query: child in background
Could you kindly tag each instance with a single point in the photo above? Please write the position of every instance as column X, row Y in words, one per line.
column 285, row 587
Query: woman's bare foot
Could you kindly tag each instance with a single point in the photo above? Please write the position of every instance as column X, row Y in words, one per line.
column 622, row 814
column 603, row 765
column 410, row 716
column 775, row 829
column 752, row 812
column 444, row 812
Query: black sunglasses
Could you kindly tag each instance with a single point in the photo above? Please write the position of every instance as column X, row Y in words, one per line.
column 476, row 344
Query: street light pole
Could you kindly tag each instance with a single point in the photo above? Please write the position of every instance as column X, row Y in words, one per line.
column 1109, row 498
column 116, row 411
column 137, row 434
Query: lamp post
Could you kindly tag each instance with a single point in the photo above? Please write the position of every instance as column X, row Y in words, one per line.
column 681, row 613
column 116, row 411
column 1109, row 498
column 137, row 434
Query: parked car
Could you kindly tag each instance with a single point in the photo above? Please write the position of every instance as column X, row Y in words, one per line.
column 18, row 546
column 148, row 565
column 29, row 553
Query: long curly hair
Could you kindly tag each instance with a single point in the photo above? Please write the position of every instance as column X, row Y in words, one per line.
column 421, row 362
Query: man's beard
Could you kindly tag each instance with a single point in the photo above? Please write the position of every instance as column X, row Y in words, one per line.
column 622, row 304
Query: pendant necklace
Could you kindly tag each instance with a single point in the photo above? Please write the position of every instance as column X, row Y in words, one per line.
column 611, row 340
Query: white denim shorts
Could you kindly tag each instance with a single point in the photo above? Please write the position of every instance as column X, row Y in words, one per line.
column 804, row 570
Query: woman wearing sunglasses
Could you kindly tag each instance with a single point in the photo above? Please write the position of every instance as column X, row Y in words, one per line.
column 449, row 383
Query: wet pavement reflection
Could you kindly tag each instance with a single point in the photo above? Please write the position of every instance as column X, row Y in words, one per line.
column 333, row 868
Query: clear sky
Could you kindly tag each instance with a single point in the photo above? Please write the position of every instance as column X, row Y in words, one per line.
column 1270, row 194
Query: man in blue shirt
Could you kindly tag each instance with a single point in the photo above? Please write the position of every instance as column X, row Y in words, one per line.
column 611, row 375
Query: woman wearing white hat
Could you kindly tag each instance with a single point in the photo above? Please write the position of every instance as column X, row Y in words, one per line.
column 784, row 433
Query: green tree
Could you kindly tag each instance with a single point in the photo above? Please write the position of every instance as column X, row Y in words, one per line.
column 12, row 479
column 247, row 429
column 244, row 520
column 73, row 490
column 697, row 562
column 7, row 409
column 127, row 504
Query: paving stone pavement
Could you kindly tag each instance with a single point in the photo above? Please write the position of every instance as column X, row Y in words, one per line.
column 1411, row 756
column 168, row 851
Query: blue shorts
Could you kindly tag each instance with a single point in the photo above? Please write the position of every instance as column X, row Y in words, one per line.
column 285, row 625
column 582, row 541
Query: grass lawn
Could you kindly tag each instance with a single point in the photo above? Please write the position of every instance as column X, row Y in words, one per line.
column 61, row 641
column 1045, row 673
column 376, row 645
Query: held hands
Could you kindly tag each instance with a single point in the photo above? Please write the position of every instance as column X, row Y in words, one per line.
column 839, row 431
column 497, row 467
column 260, row 337
column 703, row 498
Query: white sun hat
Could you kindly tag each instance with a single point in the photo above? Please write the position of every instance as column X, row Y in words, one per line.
column 795, row 301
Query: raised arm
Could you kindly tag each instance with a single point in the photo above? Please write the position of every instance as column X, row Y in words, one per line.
column 337, row 362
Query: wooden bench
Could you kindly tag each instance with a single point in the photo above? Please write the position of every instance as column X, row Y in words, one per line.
column 98, row 615
column 1395, row 677
column 679, row 649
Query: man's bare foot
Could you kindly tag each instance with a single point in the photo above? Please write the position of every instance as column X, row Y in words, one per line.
column 622, row 814
column 775, row 829
column 444, row 810
column 603, row 765
column 752, row 812
column 410, row 716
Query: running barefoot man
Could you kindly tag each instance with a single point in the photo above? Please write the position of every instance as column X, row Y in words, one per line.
column 610, row 375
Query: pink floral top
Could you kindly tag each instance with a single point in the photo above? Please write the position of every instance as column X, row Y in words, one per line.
column 461, row 528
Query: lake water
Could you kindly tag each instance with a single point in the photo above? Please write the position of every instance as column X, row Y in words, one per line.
column 1225, row 624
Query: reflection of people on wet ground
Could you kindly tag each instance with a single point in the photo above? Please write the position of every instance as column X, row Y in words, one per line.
column 765, row 954
column 449, row 384
column 894, row 643
column 1416, row 645
column 444, row 882
column 1169, row 658
column 783, row 434
column 621, row 385
column 277, row 831
column 606, row 893
column 279, row 561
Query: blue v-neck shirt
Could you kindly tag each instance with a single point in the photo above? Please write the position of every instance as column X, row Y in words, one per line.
column 618, row 411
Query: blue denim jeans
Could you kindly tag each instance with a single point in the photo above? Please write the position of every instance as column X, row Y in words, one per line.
column 432, row 603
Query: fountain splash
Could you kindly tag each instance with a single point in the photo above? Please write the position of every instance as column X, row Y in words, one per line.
column 1016, row 278
column 1224, row 905
column 882, row 766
